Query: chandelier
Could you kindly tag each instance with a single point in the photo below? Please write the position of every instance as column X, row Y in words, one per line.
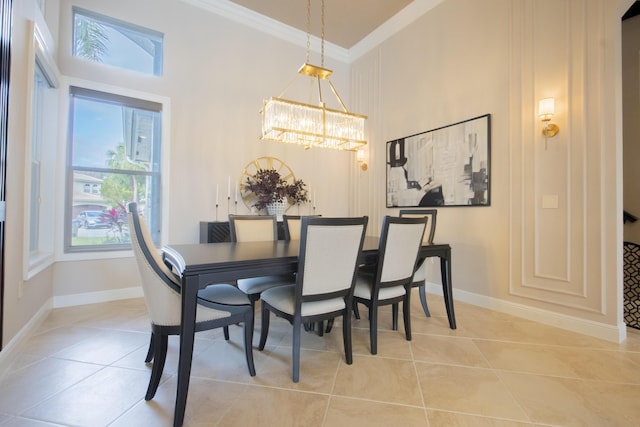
column 313, row 125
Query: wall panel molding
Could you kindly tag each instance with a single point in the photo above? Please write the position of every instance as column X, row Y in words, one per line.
column 553, row 245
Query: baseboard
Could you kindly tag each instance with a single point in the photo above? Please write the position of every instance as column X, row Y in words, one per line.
column 96, row 297
column 11, row 351
column 583, row 326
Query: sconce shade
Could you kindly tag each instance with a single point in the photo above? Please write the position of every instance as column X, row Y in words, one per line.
column 546, row 108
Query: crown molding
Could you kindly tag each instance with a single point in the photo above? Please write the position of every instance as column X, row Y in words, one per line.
column 256, row 21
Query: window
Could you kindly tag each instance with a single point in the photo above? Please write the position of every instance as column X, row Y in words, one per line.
column 40, row 153
column 114, row 158
column 109, row 41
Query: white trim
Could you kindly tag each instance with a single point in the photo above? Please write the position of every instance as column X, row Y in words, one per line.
column 96, row 297
column 574, row 324
column 256, row 21
column 66, row 82
column 12, row 350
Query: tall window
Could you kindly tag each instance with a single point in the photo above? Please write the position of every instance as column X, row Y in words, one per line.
column 114, row 159
column 100, row 38
column 40, row 154
column 41, row 126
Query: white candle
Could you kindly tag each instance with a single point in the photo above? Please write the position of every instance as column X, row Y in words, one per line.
column 236, row 192
column 217, row 193
column 229, row 187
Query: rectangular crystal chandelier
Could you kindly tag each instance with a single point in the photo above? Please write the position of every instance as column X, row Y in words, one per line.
column 313, row 125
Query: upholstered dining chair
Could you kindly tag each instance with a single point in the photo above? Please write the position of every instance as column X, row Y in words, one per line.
column 419, row 275
column 400, row 241
column 327, row 265
column 256, row 228
column 291, row 226
column 218, row 305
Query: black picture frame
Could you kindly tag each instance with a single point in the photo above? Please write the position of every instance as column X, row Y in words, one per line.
column 447, row 166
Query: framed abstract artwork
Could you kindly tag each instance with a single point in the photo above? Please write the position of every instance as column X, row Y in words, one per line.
column 448, row 166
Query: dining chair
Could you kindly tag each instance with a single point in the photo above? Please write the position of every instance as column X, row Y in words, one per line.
column 291, row 226
column 218, row 305
column 327, row 265
column 256, row 228
column 419, row 275
column 400, row 242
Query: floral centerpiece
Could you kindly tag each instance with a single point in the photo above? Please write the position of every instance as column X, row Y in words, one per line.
column 269, row 188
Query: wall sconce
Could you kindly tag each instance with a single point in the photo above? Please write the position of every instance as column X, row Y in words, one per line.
column 546, row 109
column 362, row 161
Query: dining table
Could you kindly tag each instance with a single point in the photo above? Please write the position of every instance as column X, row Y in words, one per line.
column 203, row 264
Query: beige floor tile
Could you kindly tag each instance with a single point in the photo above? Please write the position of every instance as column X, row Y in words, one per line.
column 572, row 402
column 58, row 339
column 455, row 419
column 380, row 379
column 263, row 406
column 96, row 400
column 27, row 387
column 208, row 401
column 468, row 390
column 494, row 370
column 447, row 350
column 317, row 369
column 364, row 413
column 105, row 347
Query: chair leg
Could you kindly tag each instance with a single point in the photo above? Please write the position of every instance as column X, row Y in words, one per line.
column 373, row 328
column 394, row 316
column 346, row 336
column 149, row 357
column 296, row 349
column 321, row 328
column 225, row 329
column 330, row 324
column 264, row 328
column 423, row 300
column 160, row 356
column 248, row 342
column 406, row 311
column 356, row 312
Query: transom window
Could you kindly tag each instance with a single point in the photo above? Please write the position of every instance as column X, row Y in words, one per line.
column 99, row 38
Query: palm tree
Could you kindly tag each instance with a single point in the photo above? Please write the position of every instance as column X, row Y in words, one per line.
column 90, row 39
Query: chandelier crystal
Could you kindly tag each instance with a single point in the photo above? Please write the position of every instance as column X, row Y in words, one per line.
column 313, row 125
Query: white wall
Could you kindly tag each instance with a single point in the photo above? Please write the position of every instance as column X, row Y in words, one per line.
column 466, row 58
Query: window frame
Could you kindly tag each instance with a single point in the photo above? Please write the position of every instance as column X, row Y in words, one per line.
column 40, row 51
column 115, row 95
column 155, row 37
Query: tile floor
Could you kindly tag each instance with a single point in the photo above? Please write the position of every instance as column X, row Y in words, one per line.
column 85, row 367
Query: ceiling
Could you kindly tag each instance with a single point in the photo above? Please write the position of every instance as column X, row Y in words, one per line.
column 346, row 21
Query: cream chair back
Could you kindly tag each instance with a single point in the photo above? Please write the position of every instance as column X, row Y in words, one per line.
column 329, row 251
column 430, row 214
column 253, row 228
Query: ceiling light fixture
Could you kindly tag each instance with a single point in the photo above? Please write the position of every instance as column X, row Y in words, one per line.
column 313, row 125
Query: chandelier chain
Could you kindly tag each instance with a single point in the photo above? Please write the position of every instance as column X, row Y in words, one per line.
column 308, row 29
column 322, row 44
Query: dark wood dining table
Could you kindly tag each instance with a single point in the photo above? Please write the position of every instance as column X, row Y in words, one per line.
column 206, row 263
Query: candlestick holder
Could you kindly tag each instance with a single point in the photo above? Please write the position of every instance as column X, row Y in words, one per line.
column 235, row 211
column 228, row 205
column 216, row 212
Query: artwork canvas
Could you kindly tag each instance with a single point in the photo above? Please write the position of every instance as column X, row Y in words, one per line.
column 448, row 166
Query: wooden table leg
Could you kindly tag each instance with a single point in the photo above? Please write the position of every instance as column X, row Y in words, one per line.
column 447, row 289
